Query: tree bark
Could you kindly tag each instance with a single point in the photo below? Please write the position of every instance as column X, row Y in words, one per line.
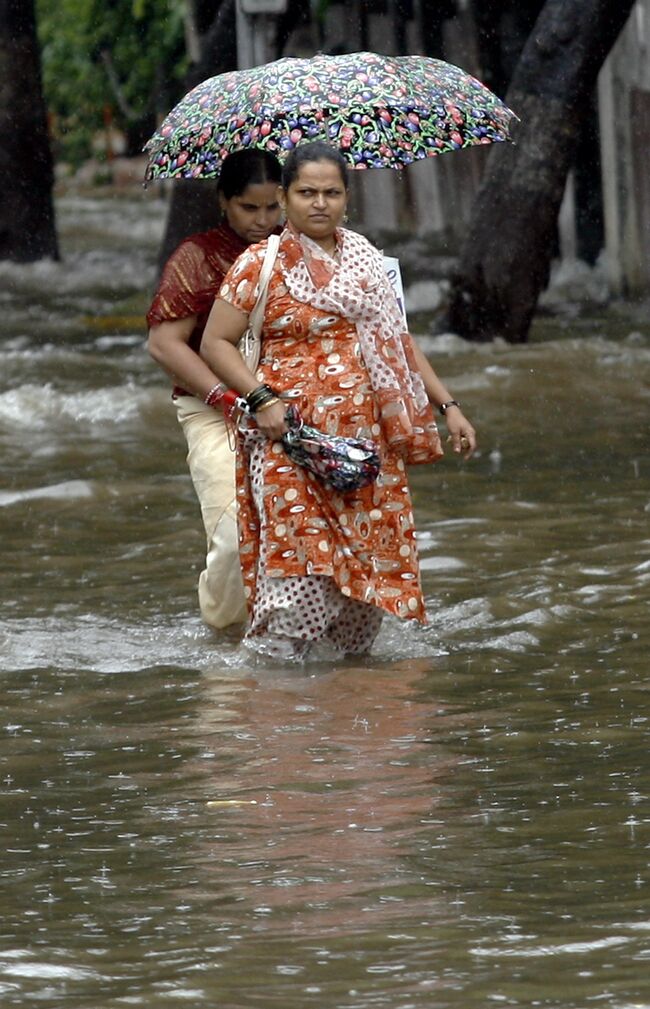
column 431, row 19
column 194, row 204
column 505, row 261
column 502, row 30
column 27, row 225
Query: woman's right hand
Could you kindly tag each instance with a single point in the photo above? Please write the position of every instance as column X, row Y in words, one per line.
column 271, row 420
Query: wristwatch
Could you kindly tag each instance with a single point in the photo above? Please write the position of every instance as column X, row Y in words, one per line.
column 445, row 406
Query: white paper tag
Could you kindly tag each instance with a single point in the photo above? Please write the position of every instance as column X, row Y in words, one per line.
column 394, row 274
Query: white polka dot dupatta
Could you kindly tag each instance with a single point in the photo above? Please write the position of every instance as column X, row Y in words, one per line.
column 354, row 285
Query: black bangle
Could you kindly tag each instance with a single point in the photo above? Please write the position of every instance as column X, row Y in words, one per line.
column 445, row 406
column 259, row 396
column 255, row 392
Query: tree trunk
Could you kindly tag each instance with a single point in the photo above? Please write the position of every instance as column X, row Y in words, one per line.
column 502, row 30
column 27, row 228
column 298, row 12
column 401, row 12
column 194, row 204
column 505, row 260
column 432, row 16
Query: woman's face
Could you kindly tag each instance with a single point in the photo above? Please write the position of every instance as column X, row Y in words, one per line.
column 316, row 200
column 254, row 213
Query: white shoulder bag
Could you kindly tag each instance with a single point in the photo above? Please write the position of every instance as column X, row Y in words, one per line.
column 250, row 344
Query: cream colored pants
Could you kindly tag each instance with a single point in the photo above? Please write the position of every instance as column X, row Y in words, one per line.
column 212, row 468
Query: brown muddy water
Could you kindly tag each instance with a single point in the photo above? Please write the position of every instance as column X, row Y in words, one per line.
column 461, row 820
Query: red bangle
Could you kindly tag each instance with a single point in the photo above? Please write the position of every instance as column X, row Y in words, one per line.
column 215, row 395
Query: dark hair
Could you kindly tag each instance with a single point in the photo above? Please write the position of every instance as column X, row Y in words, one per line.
column 247, row 168
column 315, row 150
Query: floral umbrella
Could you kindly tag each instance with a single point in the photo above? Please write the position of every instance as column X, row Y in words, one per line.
column 380, row 111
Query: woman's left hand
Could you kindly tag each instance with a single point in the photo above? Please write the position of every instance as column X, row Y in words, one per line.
column 461, row 433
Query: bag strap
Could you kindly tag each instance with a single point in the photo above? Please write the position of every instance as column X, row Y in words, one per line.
column 256, row 317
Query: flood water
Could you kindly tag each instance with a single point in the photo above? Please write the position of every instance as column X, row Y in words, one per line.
column 461, row 820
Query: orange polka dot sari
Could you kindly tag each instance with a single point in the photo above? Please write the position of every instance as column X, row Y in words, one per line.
column 333, row 342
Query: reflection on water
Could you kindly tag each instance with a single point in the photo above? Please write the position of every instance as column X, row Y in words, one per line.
column 459, row 821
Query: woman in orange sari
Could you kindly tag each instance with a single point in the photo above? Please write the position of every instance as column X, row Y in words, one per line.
column 318, row 565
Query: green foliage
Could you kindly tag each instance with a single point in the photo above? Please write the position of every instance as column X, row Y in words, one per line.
column 117, row 59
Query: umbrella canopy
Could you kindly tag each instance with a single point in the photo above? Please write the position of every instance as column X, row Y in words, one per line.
column 380, row 111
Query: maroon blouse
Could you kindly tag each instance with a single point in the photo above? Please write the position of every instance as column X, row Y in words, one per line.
column 191, row 280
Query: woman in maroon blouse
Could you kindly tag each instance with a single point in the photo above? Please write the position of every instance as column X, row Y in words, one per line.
column 248, row 196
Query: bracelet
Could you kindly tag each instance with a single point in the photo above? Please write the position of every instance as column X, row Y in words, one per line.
column 215, row 395
column 262, row 394
column 445, row 406
column 266, row 404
